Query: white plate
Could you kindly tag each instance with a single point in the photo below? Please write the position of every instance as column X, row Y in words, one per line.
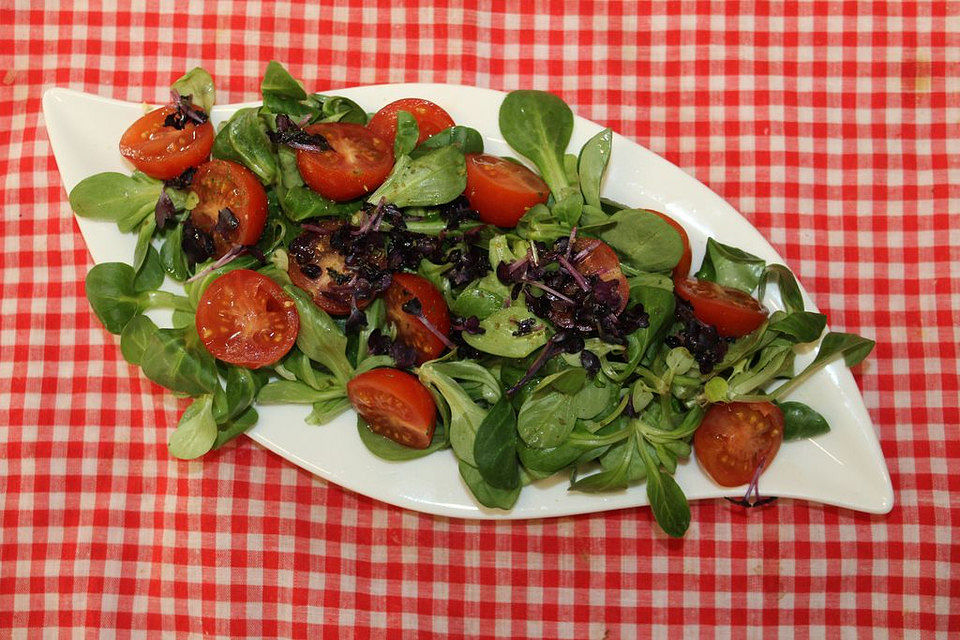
column 844, row 467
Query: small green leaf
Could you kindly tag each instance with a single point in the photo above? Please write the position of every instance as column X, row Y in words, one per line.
column 407, row 133
column 435, row 178
column 495, row 447
column 644, row 240
column 198, row 84
column 196, row 432
column 485, row 493
column 800, row 421
column 789, row 289
column 731, row 267
column 592, row 163
column 464, row 138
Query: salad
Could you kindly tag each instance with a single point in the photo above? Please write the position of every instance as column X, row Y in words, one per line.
column 455, row 299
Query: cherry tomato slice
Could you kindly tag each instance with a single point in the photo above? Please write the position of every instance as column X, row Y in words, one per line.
column 395, row 404
column 595, row 257
column 737, row 437
column 431, row 118
column 219, row 185
column 357, row 162
column 246, row 319
column 502, row 191
column 410, row 329
column 682, row 270
column 165, row 152
column 733, row 312
column 315, row 266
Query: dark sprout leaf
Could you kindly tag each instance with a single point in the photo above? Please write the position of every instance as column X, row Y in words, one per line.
column 227, row 223
column 292, row 135
column 702, row 340
column 185, row 112
column 197, row 243
column 590, row 361
column 182, row 181
column 165, row 209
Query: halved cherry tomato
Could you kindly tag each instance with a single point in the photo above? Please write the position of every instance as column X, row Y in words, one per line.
column 595, row 257
column 315, row 266
column 165, row 152
column 431, row 118
column 357, row 162
column 395, row 404
column 219, row 185
column 410, row 329
column 737, row 437
column 246, row 319
column 502, row 191
column 682, row 270
column 733, row 312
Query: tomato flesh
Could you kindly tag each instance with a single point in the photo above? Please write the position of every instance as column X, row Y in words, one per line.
column 682, row 270
column 314, row 263
column 431, row 118
column 245, row 318
column 221, row 184
column 736, row 438
column 596, row 257
column 502, row 191
column 733, row 312
column 396, row 405
column 410, row 329
column 164, row 152
column 357, row 162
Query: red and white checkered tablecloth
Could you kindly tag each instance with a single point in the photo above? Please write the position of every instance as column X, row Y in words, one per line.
column 833, row 126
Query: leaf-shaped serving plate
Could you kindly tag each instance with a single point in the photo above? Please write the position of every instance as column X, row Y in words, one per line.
column 844, row 467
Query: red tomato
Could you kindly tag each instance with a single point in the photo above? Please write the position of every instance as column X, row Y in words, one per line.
column 246, row 319
column 595, row 257
column 312, row 259
column 410, row 330
column 502, row 191
column 357, row 162
column 395, row 404
column 221, row 184
column 737, row 437
column 431, row 119
column 733, row 312
column 682, row 270
column 165, row 152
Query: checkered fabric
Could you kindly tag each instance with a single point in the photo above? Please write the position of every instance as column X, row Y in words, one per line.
column 833, row 126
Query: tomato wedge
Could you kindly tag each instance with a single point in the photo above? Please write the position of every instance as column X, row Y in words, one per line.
column 502, row 191
column 395, row 404
column 596, row 257
column 682, row 270
column 246, row 319
column 357, row 162
column 733, row 312
column 736, row 438
column 164, row 152
column 223, row 185
column 431, row 118
column 411, row 330
column 315, row 266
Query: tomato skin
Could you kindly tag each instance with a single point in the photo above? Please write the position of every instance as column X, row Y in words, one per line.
column 245, row 318
column 682, row 270
column 311, row 252
column 431, row 118
column 396, row 405
column 357, row 162
column 223, row 184
column 165, row 152
column 733, row 312
column 410, row 330
column 502, row 191
column 601, row 260
column 734, row 438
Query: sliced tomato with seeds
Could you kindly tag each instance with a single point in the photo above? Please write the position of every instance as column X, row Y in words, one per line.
column 357, row 162
column 411, row 330
column 223, row 185
column 395, row 404
column 736, row 438
column 245, row 318
column 595, row 257
column 733, row 312
column 322, row 271
column 164, row 152
column 431, row 118
column 502, row 191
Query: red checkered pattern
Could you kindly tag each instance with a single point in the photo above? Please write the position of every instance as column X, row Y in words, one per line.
column 833, row 126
